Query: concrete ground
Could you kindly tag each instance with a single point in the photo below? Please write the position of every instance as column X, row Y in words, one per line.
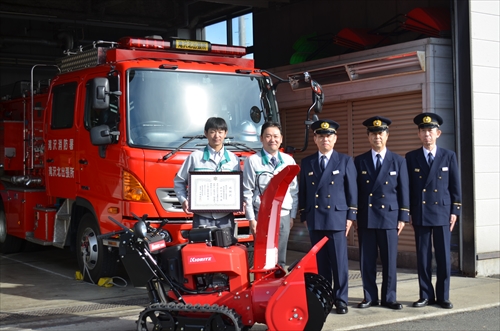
column 467, row 294
column 38, row 292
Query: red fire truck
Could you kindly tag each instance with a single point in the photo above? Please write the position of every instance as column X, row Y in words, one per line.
column 108, row 134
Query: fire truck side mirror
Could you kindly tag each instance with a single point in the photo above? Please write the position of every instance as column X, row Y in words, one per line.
column 100, row 135
column 100, row 93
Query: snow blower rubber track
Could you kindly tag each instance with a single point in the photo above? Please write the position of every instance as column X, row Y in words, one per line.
column 177, row 316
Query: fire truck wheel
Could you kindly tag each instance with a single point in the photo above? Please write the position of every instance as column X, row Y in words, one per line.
column 94, row 259
column 8, row 244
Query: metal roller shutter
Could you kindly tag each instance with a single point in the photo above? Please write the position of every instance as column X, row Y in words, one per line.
column 292, row 121
column 352, row 140
column 294, row 128
column 400, row 109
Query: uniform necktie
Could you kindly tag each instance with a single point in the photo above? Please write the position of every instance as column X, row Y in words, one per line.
column 322, row 162
column 379, row 163
column 430, row 159
column 273, row 162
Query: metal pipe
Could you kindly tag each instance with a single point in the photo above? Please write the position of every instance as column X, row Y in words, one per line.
column 24, row 136
column 88, row 22
column 66, row 41
column 22, row 180
column 32, row 127
column 24, row 40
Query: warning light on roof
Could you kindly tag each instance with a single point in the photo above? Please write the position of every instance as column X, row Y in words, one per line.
column 181, row 45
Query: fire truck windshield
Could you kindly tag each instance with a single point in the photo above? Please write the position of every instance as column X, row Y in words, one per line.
column 165, row 106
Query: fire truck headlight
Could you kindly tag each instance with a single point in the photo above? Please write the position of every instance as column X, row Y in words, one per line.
column 133, row 190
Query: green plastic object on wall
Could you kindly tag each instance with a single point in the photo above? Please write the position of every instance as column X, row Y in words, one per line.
column 305, row 46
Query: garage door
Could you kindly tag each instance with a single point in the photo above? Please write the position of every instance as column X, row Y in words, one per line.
column 352, row 138
column 401, row 109
column 294, row 128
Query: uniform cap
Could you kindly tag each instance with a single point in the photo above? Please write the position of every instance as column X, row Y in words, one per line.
column 377, row 123
column 428, row 120
column 325, row 127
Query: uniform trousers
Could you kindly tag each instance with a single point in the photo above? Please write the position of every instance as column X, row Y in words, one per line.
column 425, row 237
column 283, row 240
column 332, row 260
column 370, row 242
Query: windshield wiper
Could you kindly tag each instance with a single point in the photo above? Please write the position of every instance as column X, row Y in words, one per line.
column 189, row 139
column 238, row 144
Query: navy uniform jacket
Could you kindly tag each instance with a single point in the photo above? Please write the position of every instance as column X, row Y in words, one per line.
column 435, row 192
column 383, row 200
column 327, row 200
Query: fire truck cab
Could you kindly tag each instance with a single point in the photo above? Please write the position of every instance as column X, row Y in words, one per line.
column 107, row 136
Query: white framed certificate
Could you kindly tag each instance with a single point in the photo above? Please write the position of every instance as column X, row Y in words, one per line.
column 215, row 192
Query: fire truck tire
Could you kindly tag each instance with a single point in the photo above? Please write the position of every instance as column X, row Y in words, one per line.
column 8, row 244
column 94, row 259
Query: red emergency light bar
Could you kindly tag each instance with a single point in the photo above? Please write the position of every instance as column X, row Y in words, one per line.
column 181, row 45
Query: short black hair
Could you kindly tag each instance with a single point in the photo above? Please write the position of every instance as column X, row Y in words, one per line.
column 270, row 124
column 217, row 123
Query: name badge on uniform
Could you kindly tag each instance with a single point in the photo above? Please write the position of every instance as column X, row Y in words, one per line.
column 444, row 168
column 363, row 172
column 310, row 174
column 417, row 170
column 335, row 172
column 392, row 173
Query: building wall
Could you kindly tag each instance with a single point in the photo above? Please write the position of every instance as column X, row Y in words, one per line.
column 399, row 96
column 273, row 46
column 278, row 29
column 485, row 71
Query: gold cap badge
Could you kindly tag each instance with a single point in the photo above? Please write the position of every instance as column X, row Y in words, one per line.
column 377, row 123
column 427, row 119
column 325, row 125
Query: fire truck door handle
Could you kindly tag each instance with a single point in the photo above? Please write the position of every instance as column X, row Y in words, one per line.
column 50, row 160
column 83, row 161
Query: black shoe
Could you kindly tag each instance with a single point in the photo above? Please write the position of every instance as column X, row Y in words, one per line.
column 393, row 305
column 423, row 302
column 446, row 304
column 366, row 304
column 340, row 307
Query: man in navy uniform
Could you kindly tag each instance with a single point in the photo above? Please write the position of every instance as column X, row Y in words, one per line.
column 328, row 203
column 384, row 200
column 435, row 201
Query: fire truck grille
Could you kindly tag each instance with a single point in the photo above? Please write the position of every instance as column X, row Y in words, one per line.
column 168, row 200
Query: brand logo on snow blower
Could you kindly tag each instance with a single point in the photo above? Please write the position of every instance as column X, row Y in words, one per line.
column 201, row 259
column 154, row 246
